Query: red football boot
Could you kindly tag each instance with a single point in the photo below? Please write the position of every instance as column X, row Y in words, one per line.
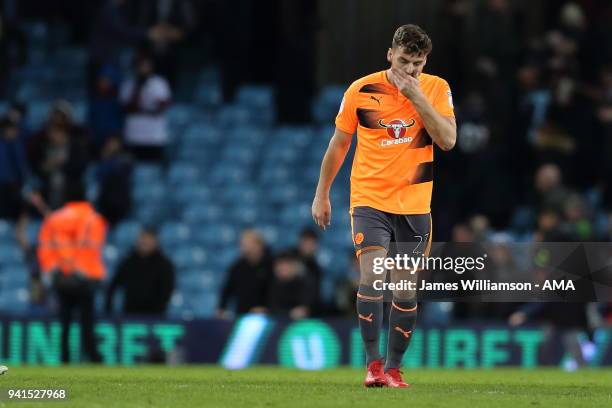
column 394, row 379
column 375, row 376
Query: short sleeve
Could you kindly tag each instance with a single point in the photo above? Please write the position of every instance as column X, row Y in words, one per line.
column 346, row 120
column 162, row 90
column 443, row 101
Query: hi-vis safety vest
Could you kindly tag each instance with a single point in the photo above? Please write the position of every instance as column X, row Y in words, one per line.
column 71, row 240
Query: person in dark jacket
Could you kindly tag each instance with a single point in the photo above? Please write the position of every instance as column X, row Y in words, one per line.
column 248, row 279
column 289, row 292
column 306, row 251
column 147, row 277
column 114, row 176
column 59, row 153
column 13, row 169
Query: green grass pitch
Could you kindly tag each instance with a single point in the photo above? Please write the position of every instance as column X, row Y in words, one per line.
column 209, row 386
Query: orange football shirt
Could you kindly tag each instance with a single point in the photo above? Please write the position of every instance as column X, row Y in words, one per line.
column 393, row 165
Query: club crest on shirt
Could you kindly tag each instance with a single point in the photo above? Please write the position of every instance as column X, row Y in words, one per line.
column 396, row 129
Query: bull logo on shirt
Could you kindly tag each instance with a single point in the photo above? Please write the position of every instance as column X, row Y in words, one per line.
column 397, row 127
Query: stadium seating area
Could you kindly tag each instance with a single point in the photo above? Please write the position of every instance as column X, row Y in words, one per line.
column 230, row 167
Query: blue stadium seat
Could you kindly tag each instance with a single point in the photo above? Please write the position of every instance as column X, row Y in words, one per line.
column 205, row 305
column 272, row 234
column 296, row 213
column 198, row 213
column 146, row 173
column 11, row 254
column 296, row 136
column 225, row 174
column 182, row 173
column 111, row 257
column 240, row 194
column 148, row 192
column 242, row 157
column 278, row 153
column 208, row 94
column 257, row 96
column 198, row 280
column 7, row 231
column 180, row 115
column 201, row 135
column 38, row 111
column 327, row 104
column 189, row 257
column 230, row 116
column 215, row 235
column 126, row 233
column 223, row 259
column 243, row 215
column 276, row 175
column 310, row 174
column 174, row 234
column 282, row 194
column 246, row 135
column 14, row 301
column 150, row 213
column 186, row 194
column 15, row 277
column 195, row 155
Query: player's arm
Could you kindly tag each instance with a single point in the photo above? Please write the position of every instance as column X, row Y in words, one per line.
column 442, row 129
column 332, row 161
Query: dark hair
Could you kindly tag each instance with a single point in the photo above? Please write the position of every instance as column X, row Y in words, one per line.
column 286, row 256
column 149, row 230
column 309, row 233
column 74, row 191
column 412, row 39
column 6, row 123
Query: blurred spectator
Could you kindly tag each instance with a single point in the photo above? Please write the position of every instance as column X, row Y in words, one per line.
column 248, row 279
column 306, row 252
column 13, row 169
column 548, row 228
column 59, row 153
column 549, row 189
column 146, row 276
column 177, row 19
column 105, row 115
column 568, row 320
column 145, row 99
column 111, row 34
column 481, row 228
column 577, row 219
column 346, row 288
column 16, row 113
column 604, row 116
column 288, row 294
column 70, row 254
column 113, row 174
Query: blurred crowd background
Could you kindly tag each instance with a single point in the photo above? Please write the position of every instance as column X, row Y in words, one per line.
column 198, row 128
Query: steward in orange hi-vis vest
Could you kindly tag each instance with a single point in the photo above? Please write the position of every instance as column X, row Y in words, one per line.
column 71, row 241
column 70, row 248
